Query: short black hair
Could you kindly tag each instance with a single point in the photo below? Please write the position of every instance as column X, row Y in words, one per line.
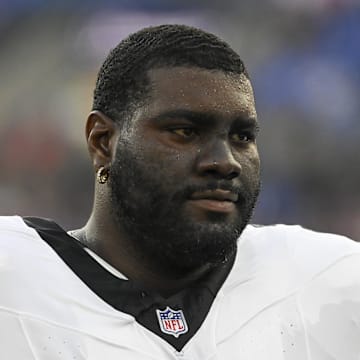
column 122, row 84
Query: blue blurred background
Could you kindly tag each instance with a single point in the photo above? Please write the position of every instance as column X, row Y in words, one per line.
column 304, row 60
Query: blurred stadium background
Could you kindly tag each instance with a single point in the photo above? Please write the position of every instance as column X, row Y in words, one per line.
column 304, row 59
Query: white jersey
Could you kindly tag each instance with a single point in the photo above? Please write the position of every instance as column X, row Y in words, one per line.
column 291, row 294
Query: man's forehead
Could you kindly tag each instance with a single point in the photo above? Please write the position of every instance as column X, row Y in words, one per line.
column 197, row 76
column 197, row 87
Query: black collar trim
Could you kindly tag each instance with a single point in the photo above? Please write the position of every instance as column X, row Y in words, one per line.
column 129, row 297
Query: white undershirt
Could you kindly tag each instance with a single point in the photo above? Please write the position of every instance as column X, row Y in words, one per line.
column 102, row 262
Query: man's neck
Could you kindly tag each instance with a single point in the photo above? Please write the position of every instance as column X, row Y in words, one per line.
column 113, row 245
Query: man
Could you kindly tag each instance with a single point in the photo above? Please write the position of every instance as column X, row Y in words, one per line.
column 167, row 267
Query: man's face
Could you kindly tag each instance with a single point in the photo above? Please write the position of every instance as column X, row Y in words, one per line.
column 185, row 176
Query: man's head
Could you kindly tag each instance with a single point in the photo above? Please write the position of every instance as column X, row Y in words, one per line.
column 184, row 171
column 123, row 83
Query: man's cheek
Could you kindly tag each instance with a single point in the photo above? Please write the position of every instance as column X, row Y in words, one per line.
column 251, row 167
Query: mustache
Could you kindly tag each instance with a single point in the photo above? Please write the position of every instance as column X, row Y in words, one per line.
column 214, row 185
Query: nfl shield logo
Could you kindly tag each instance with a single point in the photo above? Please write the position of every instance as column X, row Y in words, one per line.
column 172, row 322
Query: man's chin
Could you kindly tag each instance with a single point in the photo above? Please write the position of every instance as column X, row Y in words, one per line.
column 205, row 256
column 206, row 243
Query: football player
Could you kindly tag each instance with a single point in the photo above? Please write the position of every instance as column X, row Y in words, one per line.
column 168, row 266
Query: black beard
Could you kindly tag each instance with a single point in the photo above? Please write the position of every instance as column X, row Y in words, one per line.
column 148, row 205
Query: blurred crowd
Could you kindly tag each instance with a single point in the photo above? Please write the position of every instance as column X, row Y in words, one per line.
column 303, row 57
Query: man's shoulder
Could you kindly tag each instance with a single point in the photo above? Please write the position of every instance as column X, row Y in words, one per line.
column 25, row 224
column 20, row 235
column 11, row 223
column 297, row 241
column 12, row 229
column 290, row 275
column 292, row 253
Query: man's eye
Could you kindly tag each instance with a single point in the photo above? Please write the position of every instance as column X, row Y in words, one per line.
column 241, row 137
column 184, row 132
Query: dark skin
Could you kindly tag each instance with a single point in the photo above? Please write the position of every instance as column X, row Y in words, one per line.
column 197, row 125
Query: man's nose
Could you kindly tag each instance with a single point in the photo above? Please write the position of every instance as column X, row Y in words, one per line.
column 217, row 160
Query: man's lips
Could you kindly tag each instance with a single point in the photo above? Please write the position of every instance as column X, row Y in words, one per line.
column 217, row 194
column 217, row 200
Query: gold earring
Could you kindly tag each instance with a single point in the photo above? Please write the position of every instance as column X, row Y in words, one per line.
column 102, row 175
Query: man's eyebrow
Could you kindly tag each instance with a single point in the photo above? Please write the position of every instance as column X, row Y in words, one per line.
column 201, row 117
column 205, row 118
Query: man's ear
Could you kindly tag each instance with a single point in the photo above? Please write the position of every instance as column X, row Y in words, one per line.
column 101, row 138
